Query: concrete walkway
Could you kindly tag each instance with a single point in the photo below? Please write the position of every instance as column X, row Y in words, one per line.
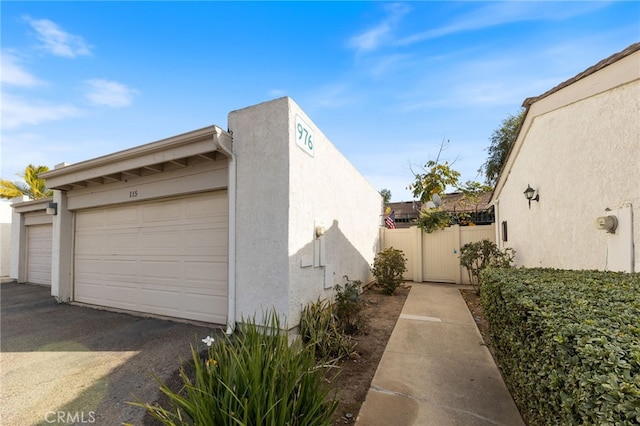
column 436, row 370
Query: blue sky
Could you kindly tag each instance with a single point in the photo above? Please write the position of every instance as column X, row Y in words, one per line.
column 387, row 82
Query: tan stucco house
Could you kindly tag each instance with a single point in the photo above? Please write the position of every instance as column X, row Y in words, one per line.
column 211, row 225
column 578, row 149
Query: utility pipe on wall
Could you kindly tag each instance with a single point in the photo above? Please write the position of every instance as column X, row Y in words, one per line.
column 231, row 191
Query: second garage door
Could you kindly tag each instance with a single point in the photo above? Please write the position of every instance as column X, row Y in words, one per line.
column 39, row 239
column 166, row 257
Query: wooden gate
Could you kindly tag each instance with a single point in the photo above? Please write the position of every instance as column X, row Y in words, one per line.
column 435, row 256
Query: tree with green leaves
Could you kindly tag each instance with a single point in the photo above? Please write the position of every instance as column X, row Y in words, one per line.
column 502, row 140
column 434, row 179
column 33, row 186
column 386, row 195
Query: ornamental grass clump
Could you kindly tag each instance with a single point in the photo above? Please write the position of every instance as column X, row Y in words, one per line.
column 328, row 326
column 252, row 378
column 319, row 328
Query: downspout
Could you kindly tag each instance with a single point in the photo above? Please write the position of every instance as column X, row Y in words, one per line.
column 231, row 188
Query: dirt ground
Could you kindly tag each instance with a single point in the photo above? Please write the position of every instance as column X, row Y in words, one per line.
column 475, row 307
column 354, row 379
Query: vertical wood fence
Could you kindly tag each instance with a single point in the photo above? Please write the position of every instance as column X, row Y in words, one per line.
column 435, row 256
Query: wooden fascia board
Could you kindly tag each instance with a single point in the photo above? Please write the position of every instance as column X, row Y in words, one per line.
column 32, row 205
column 177, row 147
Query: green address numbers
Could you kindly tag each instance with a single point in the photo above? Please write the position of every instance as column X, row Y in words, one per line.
column 304, row 136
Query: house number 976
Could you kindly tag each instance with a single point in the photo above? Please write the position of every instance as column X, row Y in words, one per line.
column 304, row 136
column 133, row 194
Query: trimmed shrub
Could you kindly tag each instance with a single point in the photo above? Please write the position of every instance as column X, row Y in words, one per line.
column 480, row 255
column 252, row 378
column 568, row 343
column 388, row 267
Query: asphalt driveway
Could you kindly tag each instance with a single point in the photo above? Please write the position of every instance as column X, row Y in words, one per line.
column 64, row 364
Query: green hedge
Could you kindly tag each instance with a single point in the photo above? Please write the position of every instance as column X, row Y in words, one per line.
column 568, row 343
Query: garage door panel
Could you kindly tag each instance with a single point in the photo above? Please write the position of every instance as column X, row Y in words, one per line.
column 89, row 242
column 157, row 241
column 120, row 242
column 39, row 243
column 121, row 295
column 89, row 219
column 199, row 307
column 213, row 206
column 122, row 216
column 171, row 258
column 90, row 291
column 120, row 270
column 160, row 269
column 165, row 212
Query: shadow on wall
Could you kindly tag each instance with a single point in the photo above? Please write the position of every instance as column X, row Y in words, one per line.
column 323, row 263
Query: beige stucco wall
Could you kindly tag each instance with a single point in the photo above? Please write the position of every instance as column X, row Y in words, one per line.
column 581, row 153
column 283, row 194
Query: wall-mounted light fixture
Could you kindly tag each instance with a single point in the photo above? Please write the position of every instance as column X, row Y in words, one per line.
column 528, row 193
column 320, row 231
column 52, row 209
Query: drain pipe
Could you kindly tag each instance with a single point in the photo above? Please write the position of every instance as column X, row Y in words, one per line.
column 231, row 192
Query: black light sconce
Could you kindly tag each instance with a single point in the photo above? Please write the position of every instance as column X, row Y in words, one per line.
column 52, row 209
column 528, row 193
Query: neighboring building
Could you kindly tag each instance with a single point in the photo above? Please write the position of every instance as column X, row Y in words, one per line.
column 464, row 212
column 578, row 148
column 5, row 239
column 211, row 225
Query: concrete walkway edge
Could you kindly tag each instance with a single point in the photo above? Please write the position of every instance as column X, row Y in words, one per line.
column 435, row 369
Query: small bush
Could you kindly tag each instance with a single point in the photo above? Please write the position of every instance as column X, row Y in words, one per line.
column 479, row 255
column 568, row 343
column 319, row 329
column 347, row 306
column 254, row 378
column 388, row 267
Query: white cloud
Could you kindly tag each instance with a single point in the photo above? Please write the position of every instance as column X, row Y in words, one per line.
column 14, row 74
column 17, row 111
column 374, row 37
column 109, row 93
column 501, row 13
column 57, row 41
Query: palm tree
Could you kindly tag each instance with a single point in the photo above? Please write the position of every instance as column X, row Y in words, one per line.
column 33, row 185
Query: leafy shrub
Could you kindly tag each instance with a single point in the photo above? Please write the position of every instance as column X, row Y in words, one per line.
column 568, row 343
column 479, row 255
column 319, row 328
column 388, row 267
column 252, row 378
column 347, row 306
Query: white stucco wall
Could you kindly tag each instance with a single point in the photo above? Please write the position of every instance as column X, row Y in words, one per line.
column 5, row 238
column 581, row 152
column 283, row 194
column 260, row 144
column 326, row 190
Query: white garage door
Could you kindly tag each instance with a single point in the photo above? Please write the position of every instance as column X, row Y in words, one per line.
column 39, row 239
column 166, row 257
